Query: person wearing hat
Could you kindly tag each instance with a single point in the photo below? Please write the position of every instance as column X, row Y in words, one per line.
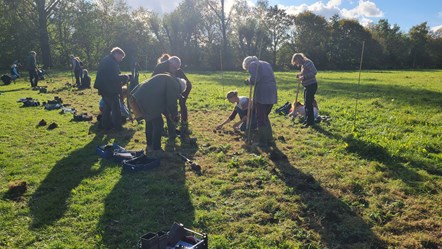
column 154, row 97
column 265, row 95
column 172, row 65
column 109, row 82
column 31, row 65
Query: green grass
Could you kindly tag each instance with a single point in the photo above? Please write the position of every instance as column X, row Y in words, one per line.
column 373, row 182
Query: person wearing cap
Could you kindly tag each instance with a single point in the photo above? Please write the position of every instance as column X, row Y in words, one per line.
column 154, row 97
column 31, row 65
column 307, row 76
column 109, row 82
column 172, row 65
column 265, row 95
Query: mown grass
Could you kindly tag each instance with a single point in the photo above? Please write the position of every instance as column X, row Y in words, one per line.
column 373, row 182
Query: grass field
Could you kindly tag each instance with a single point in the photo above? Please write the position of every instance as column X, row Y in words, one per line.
column 373, row 182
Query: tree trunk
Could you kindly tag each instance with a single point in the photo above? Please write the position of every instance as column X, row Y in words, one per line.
column 43, row 34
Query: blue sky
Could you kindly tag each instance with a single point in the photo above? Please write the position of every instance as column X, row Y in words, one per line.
column 405, row 13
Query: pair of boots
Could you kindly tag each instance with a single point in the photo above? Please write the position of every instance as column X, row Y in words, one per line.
column 265, row 136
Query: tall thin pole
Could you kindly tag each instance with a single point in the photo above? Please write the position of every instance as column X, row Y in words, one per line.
column 222, row 72
column 252, row 95
column 359, row 82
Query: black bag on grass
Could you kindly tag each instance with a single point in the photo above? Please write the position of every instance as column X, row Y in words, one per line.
column 141, row 163
column 6, row 79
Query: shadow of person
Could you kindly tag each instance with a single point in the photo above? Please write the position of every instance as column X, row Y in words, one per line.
column 49, row 202
column 148, row 201
column 331, row 218
column 392, row 165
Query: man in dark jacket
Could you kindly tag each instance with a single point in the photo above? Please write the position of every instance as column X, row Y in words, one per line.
column 109, row 82
column 153, row 97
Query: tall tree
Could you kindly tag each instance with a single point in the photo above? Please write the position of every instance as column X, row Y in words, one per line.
column 44, row 9
column 419, row 38
column 393, row 42
column 311, row 36
column 277, row 23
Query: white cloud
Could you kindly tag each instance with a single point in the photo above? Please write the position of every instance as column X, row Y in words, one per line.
column 436, row 28
column 161, row 7
column 364, row 11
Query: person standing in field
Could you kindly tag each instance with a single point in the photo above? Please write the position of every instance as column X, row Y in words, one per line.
column 109, row 82
column 307, row 76
column 77, row 69
column 265, row 96
column 172, row 65
column 32, row 68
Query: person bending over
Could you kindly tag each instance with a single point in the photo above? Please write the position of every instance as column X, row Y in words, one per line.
column 241, row 108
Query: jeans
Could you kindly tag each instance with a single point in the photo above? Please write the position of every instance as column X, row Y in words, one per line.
column 309, row 97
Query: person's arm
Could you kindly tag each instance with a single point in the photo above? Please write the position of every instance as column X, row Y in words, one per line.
column 309, row 70
column 228, row 120
column 253, row 71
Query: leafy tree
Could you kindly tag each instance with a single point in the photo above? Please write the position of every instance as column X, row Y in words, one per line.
column 393, row 42
column 311, row 36
column 277, row 23
column 419, row 40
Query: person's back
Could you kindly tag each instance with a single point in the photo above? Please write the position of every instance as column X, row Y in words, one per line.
column 265, row 92
column 157, row 95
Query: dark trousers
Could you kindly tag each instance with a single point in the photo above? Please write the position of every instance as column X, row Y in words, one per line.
column 111, row 112
column 262, row 114
column 77, row 74
column 182, row 101
column 243, row 113
column 33, row 77
column 171, row 128
column 154, row 131
column 309, row 97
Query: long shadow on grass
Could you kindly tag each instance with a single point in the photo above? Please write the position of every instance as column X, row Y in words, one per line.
column 402, row 95
column 147, row 201
column 331, row 218
column 50, row 201
column 394, row 167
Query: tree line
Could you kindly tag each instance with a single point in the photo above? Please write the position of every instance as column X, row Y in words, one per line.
column 206, row 36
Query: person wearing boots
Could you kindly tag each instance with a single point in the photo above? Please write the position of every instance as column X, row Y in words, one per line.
column 32, row 68
column 307, row 76
column 172, row 65
column 265, row 95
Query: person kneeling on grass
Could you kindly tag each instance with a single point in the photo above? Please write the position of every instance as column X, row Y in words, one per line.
column 151, row 99
column 241, row 108
column 298, row 109
column 124, row 110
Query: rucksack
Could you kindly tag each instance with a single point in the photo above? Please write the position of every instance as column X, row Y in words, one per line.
column 6, row 79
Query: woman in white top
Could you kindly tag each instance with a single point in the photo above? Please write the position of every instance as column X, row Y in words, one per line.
column 241, row 108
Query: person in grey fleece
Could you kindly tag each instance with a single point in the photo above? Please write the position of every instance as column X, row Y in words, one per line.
column 265, row 95
column 307, row 76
